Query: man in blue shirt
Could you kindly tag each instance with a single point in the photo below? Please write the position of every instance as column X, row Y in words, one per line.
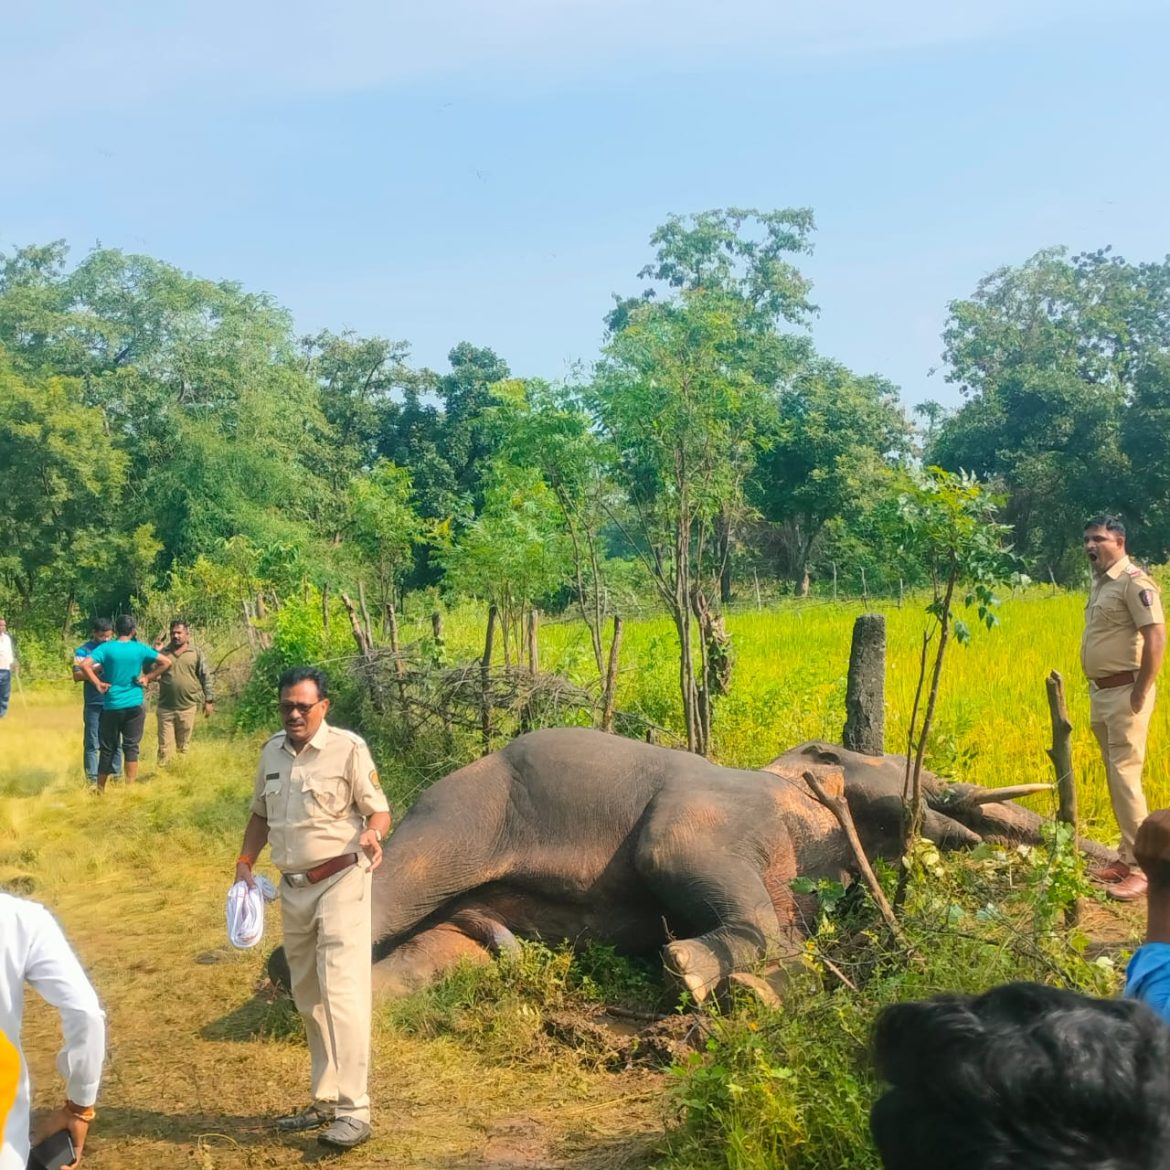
column 1148, row 975
column 101, row 631
column 124, row 663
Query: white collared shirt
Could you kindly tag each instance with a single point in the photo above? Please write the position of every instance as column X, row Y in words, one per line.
column 33, row 950
column 7, row 652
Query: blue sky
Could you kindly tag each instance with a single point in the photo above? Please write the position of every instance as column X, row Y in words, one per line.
column 491, row 170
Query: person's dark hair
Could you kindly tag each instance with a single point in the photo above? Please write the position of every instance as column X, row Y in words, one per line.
column 178, row 621
column 1022, row 1076
column 1109, row 522
column 101, row 625
column 299, row 674
column 125, row 625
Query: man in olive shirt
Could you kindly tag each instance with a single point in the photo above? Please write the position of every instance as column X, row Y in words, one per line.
column 1121, row 653
column 318, row 804
column 186, row 687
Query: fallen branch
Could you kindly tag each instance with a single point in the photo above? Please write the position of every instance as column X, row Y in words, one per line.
column 838, row 806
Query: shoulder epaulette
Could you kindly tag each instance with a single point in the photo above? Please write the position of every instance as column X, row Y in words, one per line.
column 1134, row 571
column 350, row 735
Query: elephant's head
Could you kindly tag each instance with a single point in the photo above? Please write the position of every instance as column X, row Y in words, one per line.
column 958, row 816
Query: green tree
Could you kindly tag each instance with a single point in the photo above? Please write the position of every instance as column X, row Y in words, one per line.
column 1051, row 355
column 948, row 523
column 835, row 437
column 548, row 429
column 681, row 398
column 358, row 378
column 514, row 553
column 382, row 525
column 58, row 513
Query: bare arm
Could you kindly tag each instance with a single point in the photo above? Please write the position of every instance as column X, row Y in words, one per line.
column 255, row 838
column 161, row 665
column 1153, row 651
column 89, row 674
column 377, row 826
column 1152, row 849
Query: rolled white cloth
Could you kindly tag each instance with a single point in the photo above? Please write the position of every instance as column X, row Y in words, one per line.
column 245, row 911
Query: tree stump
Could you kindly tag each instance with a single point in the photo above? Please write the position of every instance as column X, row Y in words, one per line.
column 865, row 691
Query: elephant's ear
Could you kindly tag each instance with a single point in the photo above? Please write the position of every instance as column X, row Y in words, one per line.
column 821, row 753
column 946, row 832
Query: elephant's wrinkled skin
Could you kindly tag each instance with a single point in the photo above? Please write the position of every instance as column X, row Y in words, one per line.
column 574, row 834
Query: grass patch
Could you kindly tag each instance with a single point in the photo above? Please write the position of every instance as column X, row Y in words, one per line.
column 198, row 1060
column 467, row 1072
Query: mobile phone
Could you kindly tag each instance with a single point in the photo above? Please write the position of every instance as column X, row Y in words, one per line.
column 53, row 1153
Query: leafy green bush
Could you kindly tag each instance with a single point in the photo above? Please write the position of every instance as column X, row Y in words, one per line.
column 793, row 1087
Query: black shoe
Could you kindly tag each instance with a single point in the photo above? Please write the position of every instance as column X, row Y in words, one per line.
column 311, row 1117
column 345, row 1133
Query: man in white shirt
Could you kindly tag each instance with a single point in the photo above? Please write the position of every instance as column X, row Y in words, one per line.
column 33, row 950
column 7, row 666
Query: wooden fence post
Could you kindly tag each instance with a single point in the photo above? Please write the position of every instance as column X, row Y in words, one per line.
column 533, row 649
column 608, row 698
column 485, row 667
column 1061, row 756
column 865, row 689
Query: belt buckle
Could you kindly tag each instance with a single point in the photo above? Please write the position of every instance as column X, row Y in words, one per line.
column 297, row 880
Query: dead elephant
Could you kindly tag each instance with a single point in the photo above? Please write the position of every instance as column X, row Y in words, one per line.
column 573, row 834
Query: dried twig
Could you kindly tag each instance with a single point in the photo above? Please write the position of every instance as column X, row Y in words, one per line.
column 840, row 809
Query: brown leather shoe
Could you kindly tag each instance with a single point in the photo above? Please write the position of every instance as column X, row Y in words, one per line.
column 1115, row 871
column 1129, row 890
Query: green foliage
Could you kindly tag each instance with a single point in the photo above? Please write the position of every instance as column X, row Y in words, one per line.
column 515, row 553
column 299, row 638
column 1063, row 361
column 834, row 436
column 794, row 1087
column 64, row 481
column 947, row 522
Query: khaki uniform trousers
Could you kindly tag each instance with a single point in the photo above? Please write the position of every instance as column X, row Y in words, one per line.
column 175, row 729
column 1122, row 736
column 327, row 940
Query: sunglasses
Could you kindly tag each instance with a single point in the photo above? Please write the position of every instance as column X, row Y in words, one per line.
column 299, row 708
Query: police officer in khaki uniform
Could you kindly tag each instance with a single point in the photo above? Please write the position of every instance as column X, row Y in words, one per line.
column 318, row 804
column 1121, row 653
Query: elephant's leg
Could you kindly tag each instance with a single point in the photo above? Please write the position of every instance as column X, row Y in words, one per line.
column 724, row 899
column 425, row 958
column 469, row 936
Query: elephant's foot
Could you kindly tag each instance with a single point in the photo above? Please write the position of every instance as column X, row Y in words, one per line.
column 692, row 967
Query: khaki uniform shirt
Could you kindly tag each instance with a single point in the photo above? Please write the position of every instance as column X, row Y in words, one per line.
column 188, row 683
column 1122, row 600
column 316, row 802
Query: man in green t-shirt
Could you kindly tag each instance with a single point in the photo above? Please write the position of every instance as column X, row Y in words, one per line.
column 128, row 667
column 184, row 688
